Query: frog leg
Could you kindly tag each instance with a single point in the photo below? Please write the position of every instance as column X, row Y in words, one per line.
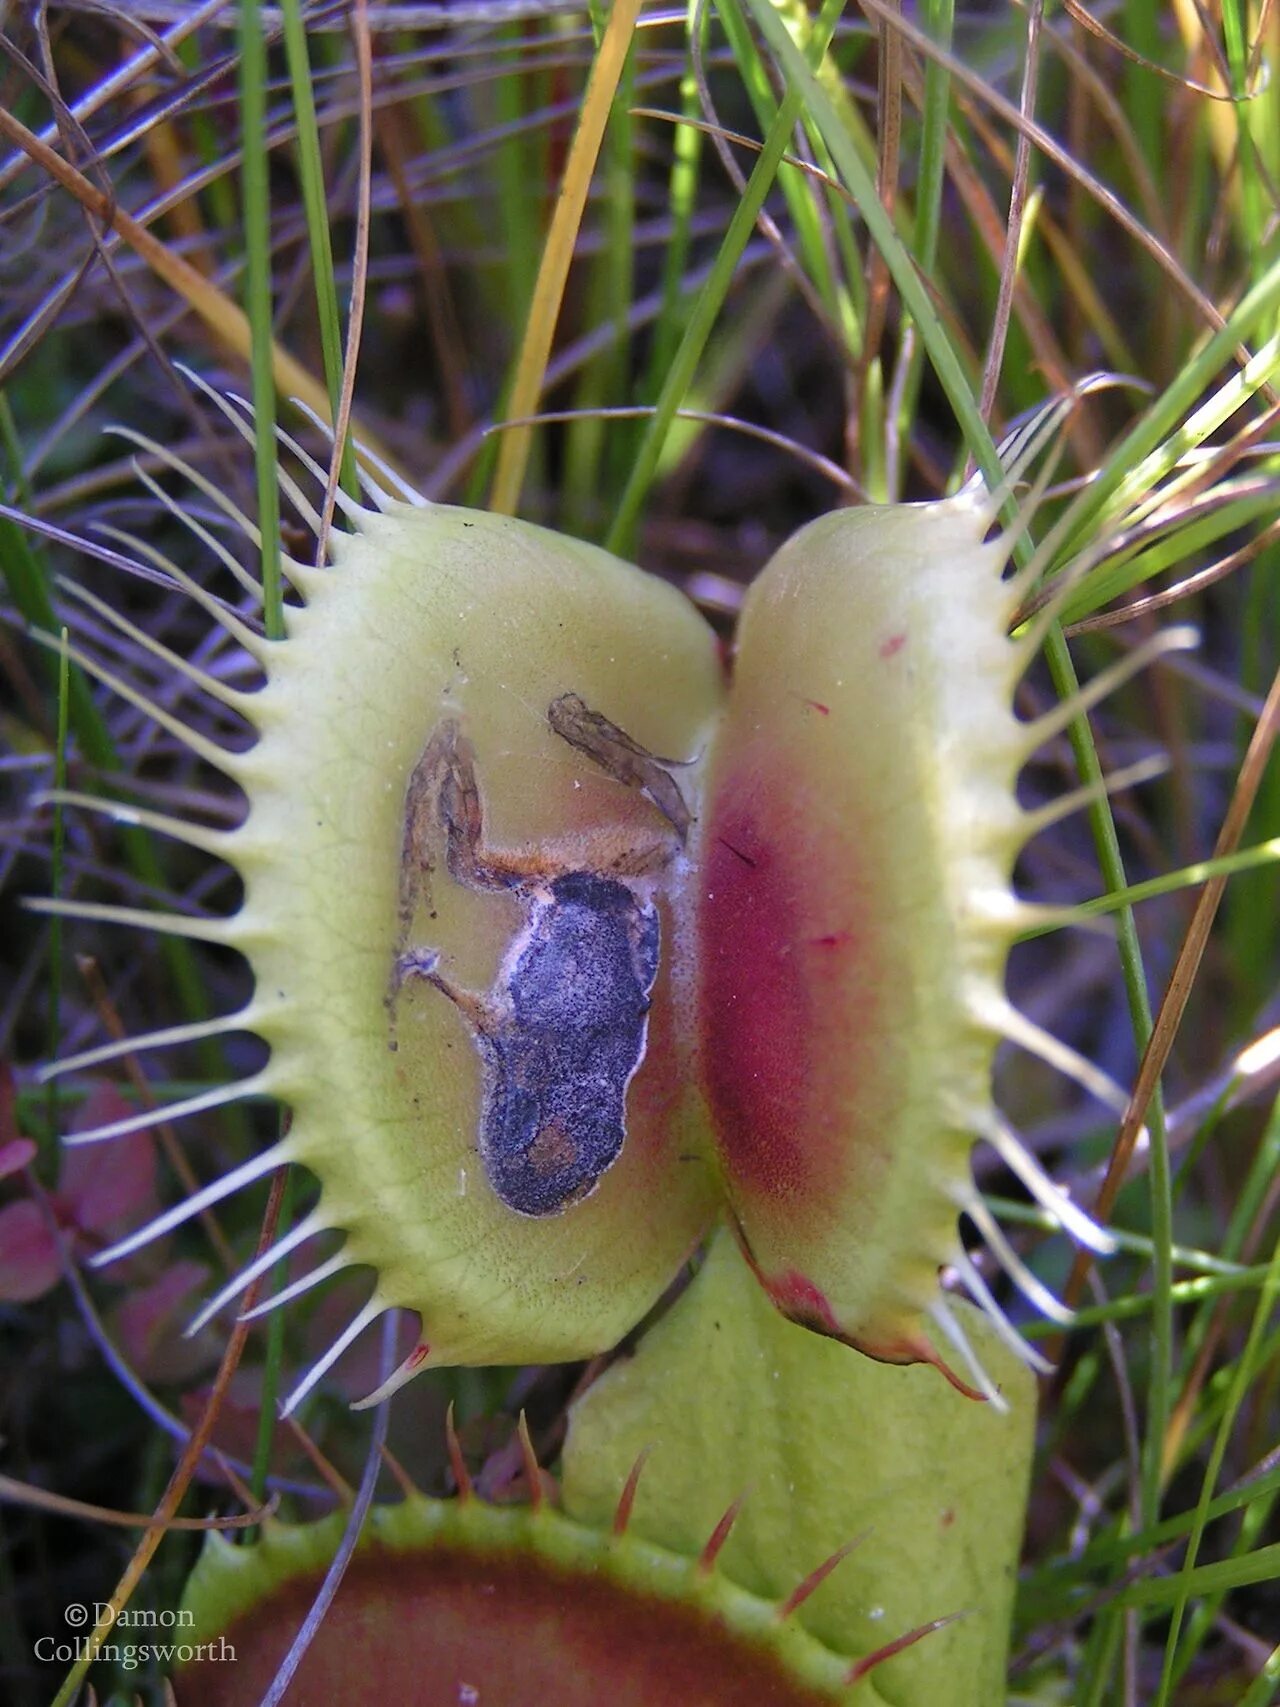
column 616, row 851
column 443, row 803
column 421, row 816
column 478, row 1011
column 613, row 750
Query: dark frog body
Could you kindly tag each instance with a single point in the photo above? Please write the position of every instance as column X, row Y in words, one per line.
column 559, row 1066
column 563, row 1031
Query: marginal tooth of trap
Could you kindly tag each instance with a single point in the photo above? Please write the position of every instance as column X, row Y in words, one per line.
column 1017, row 919
column 956, row 1335
column 1022, row 584
column 370, row 1313
column 353, row 511
column 217, row 498
column 1014, row 1153
column 1030, row 1285
column 253, row 642
column 216, row 608
column 221, row 931
column 232, row 698
column 331, row 1265
column 244, row 425
column 1047, row 550
column 210, row 751
column 868, row 1663
column 1051, row 723
column 213, row 1193
column 168, row 1111
column 306, row 1229
column 398, row 1378
column 349, row 507
column 1020, row 448
column 626, row 1499
column 1006, row 912
column 715, row 1542
column 244, row 1019
column 1037, row 918
column 1005, row 1019
column 1143, row 770
column 202, row 385
column 1028, row 509
column 236, row 409
column 464, row 1487
column 225, row 556
column 381, row 496
column 814, row 1581
column 985, row 1299
column 213, row 842
column 1017, row 451
column 396, row 486
column 239, row 412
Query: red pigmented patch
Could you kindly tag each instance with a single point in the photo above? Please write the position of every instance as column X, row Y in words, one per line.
column 756, row 1007
column 418, row 1355
column 656, row 1095
column 416, row 1624
column 783, row 1032
column 801, row 1301
column 891, row 646
column 736, row 852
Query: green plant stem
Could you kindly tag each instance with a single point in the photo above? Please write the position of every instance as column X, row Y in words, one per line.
column 311, row 179
column 255, row 190
column 1161, row 1193
column 711, row 297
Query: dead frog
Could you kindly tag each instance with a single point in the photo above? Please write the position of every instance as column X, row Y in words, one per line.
column 563, row 1029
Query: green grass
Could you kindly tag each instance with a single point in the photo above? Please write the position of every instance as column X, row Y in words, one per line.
column 841, row 288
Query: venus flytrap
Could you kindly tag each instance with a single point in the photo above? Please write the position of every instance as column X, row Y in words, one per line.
column 569, row 944
column 475, row 734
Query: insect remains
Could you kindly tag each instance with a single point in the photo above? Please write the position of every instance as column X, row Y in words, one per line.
column 563, row 1029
